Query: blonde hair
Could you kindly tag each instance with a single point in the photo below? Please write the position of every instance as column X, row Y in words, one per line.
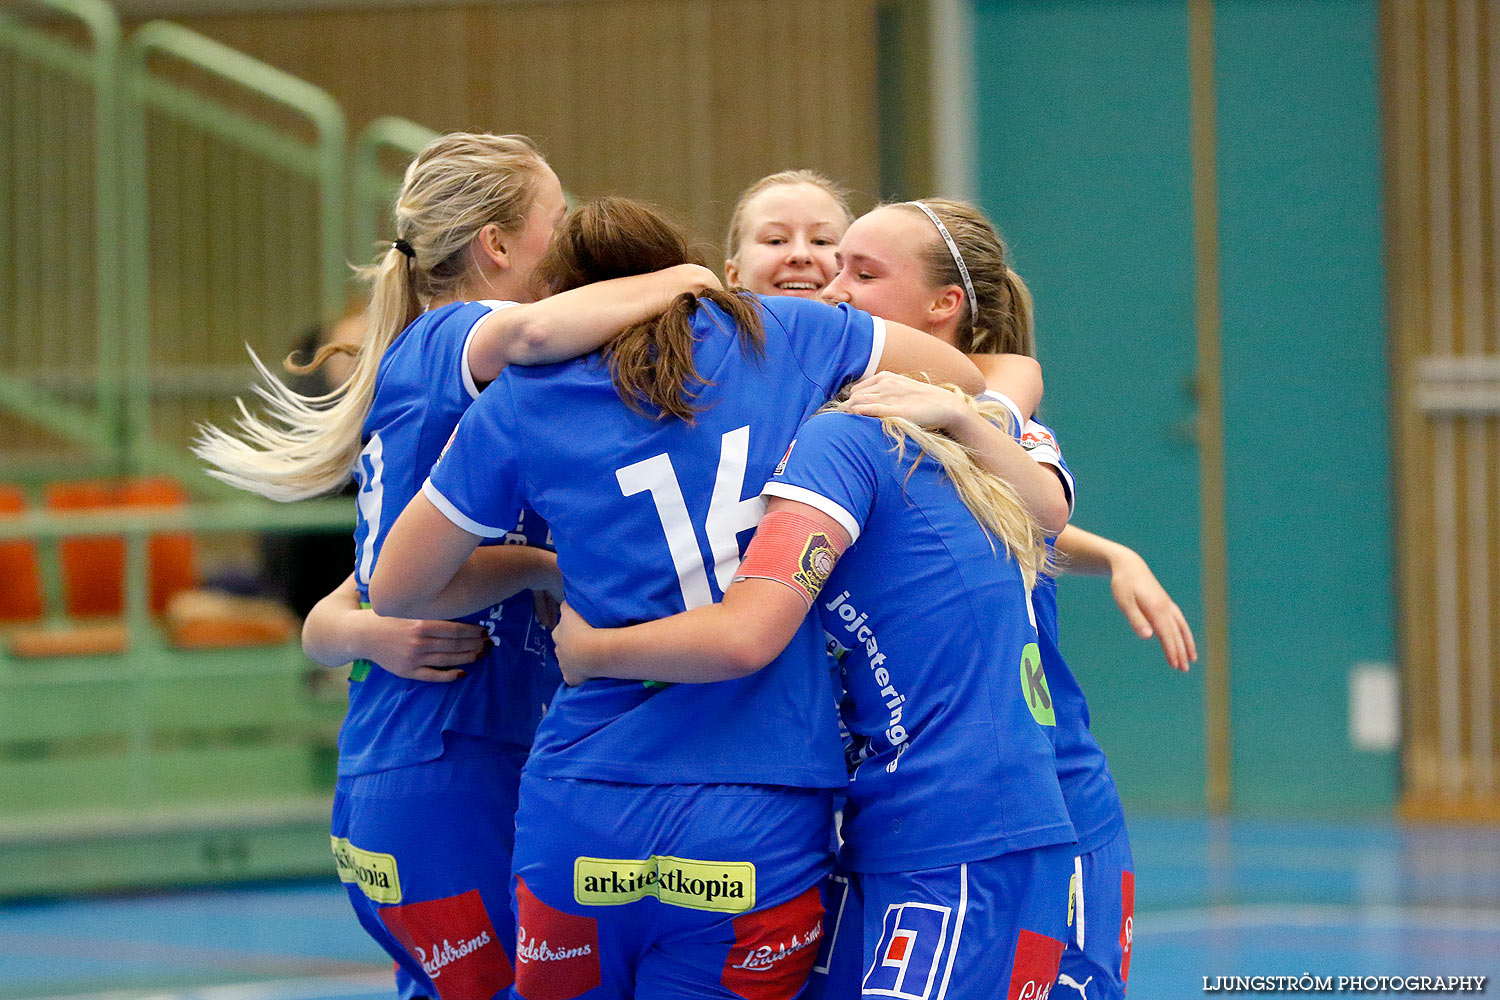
column 735, row 237
column 993, row 502
column 1002, row 321
column 306, row 445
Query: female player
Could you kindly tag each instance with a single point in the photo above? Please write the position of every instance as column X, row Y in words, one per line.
column 778, row 243
column 782, row 241
column 783, row 234
column 940, row 266
column 670, row 840
column 424, row 809
column 957, row 845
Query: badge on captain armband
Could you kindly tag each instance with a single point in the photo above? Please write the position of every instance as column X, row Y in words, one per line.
column 815, row 564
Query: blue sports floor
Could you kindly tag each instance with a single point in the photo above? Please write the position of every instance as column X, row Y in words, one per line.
column 1232, row 899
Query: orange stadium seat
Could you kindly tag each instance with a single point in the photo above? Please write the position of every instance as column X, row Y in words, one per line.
column 173, row 557
column 94, row 568
column 20, row 575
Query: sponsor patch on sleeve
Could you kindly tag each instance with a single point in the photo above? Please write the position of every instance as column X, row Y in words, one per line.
column 1037, row 436
column 781, row 465
column 456, row 943
column 1034, row 686
column 557, row 953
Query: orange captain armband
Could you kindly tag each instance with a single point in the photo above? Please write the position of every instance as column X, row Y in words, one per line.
column 794, row 549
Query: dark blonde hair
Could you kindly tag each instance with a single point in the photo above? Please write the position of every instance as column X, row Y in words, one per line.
column 307, row 445
column 994, row 503
column 735, row 237
column 650, row 363
column 1003, row 322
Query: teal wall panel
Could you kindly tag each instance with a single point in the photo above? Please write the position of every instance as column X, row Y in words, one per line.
column 1305, row 395
column 1084, row 165
column 1084, row 162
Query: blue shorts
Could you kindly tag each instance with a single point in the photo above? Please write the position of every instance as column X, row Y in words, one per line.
column 424, row 852
column 1096, row 963
column 977, row 931
column 667, row 891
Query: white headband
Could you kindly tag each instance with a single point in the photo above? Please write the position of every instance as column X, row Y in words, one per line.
column 958, row 258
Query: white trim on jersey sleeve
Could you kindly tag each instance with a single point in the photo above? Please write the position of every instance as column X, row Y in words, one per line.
column 458, row 517
column 1049, row 454
column 832, row 508
column 1008, row 403
column 463, row 359
column 877, row 347
column 1067, row 481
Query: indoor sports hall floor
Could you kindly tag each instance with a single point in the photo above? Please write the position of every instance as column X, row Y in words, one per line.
column 1235, row 899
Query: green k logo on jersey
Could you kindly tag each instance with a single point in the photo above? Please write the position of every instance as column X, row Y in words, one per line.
column 1034, row 686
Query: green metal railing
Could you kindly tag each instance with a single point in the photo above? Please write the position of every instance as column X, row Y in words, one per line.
column 44, row 308
column 280, row 88
column 154, row 765
column 180, row 235
column 167, row 327
column 215, row 269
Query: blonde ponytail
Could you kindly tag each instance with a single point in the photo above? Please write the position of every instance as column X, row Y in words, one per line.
column 993, row 502
column 1021, row 310
column 302, row 446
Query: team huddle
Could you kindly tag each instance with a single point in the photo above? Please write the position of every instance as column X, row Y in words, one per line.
column 704, row 636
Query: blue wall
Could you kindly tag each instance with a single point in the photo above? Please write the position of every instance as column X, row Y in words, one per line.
column 1085, row 164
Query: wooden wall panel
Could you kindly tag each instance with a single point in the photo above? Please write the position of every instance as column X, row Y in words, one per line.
column 1442, row 85
column 682, row 102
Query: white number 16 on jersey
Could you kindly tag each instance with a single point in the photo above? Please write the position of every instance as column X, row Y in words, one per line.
column 728, row 515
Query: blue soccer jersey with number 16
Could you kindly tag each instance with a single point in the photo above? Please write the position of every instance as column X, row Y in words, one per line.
column 649, row 518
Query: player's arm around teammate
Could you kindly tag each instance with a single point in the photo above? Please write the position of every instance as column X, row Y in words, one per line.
column 727, row 640
column 424, row 812
column 646, row 864
column 338, row 631
column 579, row 320
column 914, row 675
column 432, row 551
column 892, row 264
column 340, row 628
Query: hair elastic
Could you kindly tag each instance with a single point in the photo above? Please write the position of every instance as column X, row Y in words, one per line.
column 958, row 258
column 405, row 248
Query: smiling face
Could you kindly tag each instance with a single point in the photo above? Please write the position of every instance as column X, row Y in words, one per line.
column 881, row 271
column 787, row 235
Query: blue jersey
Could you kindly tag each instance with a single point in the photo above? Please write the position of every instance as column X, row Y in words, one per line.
column 423, row 388
column 650, row 517
column 947, row 702
column 1088, row 787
